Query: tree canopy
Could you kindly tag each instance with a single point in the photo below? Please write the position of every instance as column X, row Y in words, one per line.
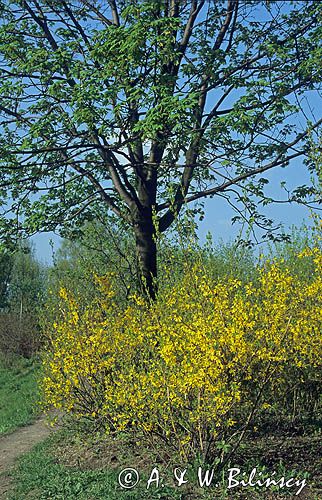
column 138, row 108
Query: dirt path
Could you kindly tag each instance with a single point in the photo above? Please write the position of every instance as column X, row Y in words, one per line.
column 16, row 444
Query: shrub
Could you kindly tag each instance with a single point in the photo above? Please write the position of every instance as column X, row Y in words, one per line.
column 195, row 367
column 19, row 335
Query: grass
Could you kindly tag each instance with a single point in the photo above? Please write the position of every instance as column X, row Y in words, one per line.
column 41, row 476
column 65, row 467
column 18, row 393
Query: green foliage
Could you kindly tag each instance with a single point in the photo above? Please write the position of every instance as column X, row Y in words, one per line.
column 100, row 247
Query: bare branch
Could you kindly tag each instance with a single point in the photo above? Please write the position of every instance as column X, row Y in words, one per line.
column 115, row 14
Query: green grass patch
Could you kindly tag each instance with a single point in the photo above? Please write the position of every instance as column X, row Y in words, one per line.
column 18, row 393
column 40, row 476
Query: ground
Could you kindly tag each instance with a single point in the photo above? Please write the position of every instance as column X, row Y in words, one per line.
column 12, row 446
column 67, row 466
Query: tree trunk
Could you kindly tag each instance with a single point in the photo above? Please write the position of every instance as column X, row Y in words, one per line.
column 146, row 252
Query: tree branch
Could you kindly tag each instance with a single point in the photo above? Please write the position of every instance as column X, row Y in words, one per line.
column 115, row 14
column 279, row 160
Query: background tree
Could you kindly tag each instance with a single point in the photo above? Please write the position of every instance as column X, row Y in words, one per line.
column 100, row 247
column 6, row 260
column 138, row 108
column 22, row 301
column 27, row 281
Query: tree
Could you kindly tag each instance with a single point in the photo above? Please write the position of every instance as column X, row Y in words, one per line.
column 27, row 281
column 6, row 262
column 141, row 107
column 22, row 292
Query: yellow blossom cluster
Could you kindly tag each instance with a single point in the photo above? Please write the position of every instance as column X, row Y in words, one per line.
column 184, row 366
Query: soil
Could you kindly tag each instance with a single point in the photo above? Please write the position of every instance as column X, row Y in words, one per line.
column 13, row 445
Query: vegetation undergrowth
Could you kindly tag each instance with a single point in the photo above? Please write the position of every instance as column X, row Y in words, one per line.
column 68, row 466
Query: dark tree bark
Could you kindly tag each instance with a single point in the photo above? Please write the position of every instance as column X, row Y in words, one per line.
column 145, row 238
column 145, row 230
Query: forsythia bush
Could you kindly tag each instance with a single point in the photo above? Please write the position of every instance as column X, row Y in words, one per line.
column 196, row 365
